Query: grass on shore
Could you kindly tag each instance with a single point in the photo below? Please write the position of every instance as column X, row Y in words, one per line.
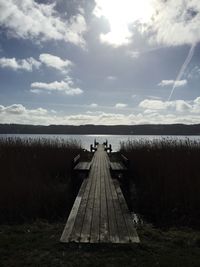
column 38, row 245
column 35, row 179
column 167, row 178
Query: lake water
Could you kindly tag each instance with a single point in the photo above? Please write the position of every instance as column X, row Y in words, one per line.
column 115, row 140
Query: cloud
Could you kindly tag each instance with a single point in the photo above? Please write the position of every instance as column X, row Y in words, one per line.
column 17, row 113
column 197, row 100
column 19, row 109
column 166, row 83
column 173, row 106
column 55, row 62
column 93, row 105
column 66, row 86
column 29, row 19
column 183, row 68
column 111, row 78
column 173, row 83
column 178, row 111
column 120, row 105
column 169, row 22
column 175, row 22
column 182, row 106
column 120, row 15
column 194, row 73
column 20, row 64
column 151, row 104
column 14, row 109
column 29, row 64
column 133, row 54
column 36, row 91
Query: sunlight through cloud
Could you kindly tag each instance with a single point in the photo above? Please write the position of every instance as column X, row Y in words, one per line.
column 120, row 15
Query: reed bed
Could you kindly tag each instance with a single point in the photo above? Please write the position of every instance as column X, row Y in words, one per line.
column 35, row 179
column 166, row 174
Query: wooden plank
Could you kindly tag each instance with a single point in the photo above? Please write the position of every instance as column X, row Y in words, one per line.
column 86, row 229
column 125, row 160
column 117, row 166
column 104, row 226
column 113, row 230
column 95, row 226
column 101, row 214
column 76, row 231
column 76, row 159
column 133, row 236
column 82, row 166
column 122, row 229
column 71, row 219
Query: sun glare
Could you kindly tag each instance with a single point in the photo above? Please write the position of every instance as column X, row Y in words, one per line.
column 120, row 14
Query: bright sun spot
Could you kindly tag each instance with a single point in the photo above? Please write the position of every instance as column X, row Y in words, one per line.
column 120, row 15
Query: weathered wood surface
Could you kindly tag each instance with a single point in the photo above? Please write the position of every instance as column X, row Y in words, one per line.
column 82, row 166
column 100, row 213
column 117, row 166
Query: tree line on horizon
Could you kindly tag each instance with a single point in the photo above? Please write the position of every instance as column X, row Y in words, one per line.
column 148, row 129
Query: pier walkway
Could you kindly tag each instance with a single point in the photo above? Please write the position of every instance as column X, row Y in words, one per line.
column 100, row 213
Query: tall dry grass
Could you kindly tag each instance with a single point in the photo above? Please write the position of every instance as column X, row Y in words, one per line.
column 167, row 178
column 35, row 178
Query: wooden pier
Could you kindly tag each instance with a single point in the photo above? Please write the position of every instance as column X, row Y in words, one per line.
column 100, row 213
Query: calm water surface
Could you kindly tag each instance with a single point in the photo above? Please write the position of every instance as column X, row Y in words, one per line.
column 115, row 140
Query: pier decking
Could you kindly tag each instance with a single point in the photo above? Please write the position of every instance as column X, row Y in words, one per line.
column 100, row 213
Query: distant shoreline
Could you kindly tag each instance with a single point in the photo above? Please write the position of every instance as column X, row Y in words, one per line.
column 146, row 129
column 99, row 134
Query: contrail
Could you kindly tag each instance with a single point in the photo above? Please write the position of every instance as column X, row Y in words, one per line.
column 184, row 66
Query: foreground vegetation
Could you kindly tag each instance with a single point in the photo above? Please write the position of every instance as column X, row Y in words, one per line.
column 38, row 245
column 37, row 192
column 167, row 178
column 35, row 179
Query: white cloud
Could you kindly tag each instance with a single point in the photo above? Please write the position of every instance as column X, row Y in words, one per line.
column 120, row 105
column 197, row 100
column 133, row 54
column 173, row 106
column 179, row 111
column 151, row 104
column 17, row 113
column 93, row 105
column 36, row 91
column 66, row 86
column 194, row 73
column 19, row 64
column 29, row 19
column 173, row 83
column 29, row 64
column 154, row 97
column 166, row 82
column 176, row 22
column 18, row 109
column 55, row 62
column 180, row 83
column 120, row 15
column 14, row 109
column 169, row 22
column 111, row 78
column 182, row 106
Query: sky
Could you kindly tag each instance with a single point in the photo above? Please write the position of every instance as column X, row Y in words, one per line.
column 99, row 62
